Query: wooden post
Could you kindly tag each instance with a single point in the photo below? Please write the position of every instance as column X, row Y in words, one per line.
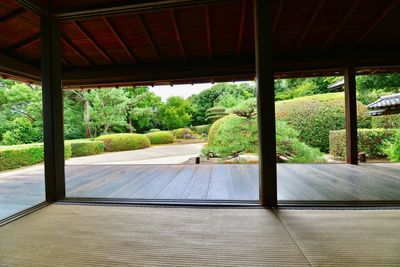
column 265, row 102
column 351, row 114
column 52, row 109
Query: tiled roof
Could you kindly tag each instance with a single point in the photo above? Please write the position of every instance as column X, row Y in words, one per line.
column 386, row 102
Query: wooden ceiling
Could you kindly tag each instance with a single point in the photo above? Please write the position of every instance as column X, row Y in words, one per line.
column 116, row 42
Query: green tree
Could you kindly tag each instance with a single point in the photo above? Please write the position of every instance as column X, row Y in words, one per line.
column 143, row 107
column 107, row 110
column 175, row 113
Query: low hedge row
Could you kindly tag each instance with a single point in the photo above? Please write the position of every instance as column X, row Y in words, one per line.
column 370, row 141
column 162, row 137
column 124, row 141
column 314, row 116
column 387, row 121
column 17, row 156
column 86, row 148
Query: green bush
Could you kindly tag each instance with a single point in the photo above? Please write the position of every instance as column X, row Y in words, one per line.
column 12, row 157
column 163, row 137
column 181, row 132
column 154, row 130
column 124, row 141
column 231, row 136
column 67, row 151
column 290, row 149
column 201, row 129
column 370, row 141
column 314, row 116
column 214, row 129
column 86, row 148
column 392, row 149
column 18, row 156
column 387, row 121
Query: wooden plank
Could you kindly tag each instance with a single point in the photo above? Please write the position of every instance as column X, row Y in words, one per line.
column 153, row 187
column 177, row 186
column 221, row 184
column 199, row 184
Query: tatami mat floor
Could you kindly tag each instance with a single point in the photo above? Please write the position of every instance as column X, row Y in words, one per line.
column 73, row 235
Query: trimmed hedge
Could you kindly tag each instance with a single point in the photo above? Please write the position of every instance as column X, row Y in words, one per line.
column 154, row 130
column 124, row 141
column 314, row 116
column 370, row 141
column 163, row 137
column 181, row 132
column 387, row 121
column 86, row 148
column 201, row 129
column 12, row 157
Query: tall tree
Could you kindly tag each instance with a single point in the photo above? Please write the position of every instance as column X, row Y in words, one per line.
column 176, row 113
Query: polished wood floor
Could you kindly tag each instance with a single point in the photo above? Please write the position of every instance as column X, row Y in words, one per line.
column 338, row 182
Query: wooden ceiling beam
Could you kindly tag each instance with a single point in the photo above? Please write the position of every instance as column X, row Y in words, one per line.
column 148, row 36
column 340, row 25
column 127, row 7
column 19, row 69
column 375, row 23
column 28, row 5
column 208, row 30
column 13, row 15
column 119, row 39
column 151, row 73
column 277, row 16
column 91, row 39
column 31, row 39
column 77, row 51
column 177, row 34
column 241, row 27
column 310, row 23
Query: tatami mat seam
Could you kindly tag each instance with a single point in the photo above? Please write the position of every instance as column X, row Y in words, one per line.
column 291, row 236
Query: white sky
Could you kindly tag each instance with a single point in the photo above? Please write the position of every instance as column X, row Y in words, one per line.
column 183, row 90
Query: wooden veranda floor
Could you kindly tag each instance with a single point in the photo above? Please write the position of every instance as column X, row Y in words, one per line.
column 337, row 182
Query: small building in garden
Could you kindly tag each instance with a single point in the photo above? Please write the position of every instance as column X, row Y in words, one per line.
column 385, row 105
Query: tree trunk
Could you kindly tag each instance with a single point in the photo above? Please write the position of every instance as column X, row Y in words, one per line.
column 130, row 123
column 86, row 118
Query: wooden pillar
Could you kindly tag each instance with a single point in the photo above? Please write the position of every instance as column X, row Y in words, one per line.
column 266, row 102
column 52, row 109
column 351, row 114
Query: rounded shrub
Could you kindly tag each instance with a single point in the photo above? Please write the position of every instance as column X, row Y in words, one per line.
column 314, row 116
column 124, row 141
column 162, row 137
column 370, row 141
column 182, row 132
column 214, row 129
column 86, row 148
column 154, row 130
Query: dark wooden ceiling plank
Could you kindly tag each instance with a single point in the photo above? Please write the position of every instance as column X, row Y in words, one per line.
column 241, row 27
column 390, row 37
column 126, row 7
column 208, row 29
column 340, row 25
column 31, row 39
column 17, row 68
column 119, row 39
column 90, row 38
column 13, row 14
column 148, row 36
column 310, row 23
column 177, row 34
column 28, row 5
column 375, row 23
column 277, row 16
column 77, row 51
